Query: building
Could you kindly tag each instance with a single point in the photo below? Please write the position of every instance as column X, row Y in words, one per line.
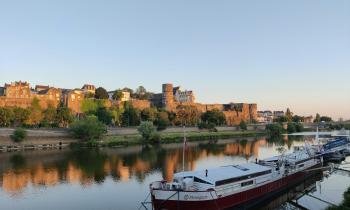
column 73, row 99
column 89, row 89
column 265, row 116
column 277, row 114
column 183, row 96
column 171, row 98
column 125, row 95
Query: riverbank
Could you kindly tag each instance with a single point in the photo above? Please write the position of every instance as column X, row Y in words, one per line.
column 166, row 138
column 121, row 137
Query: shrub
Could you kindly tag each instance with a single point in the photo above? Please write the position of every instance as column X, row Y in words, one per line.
column 275, row 129
column 88, row 129
column 19, row 135
column 291, row 128
column 299, row 127
column 162, row 125
column 243, row 125
column 146, row 129
column 156, row 138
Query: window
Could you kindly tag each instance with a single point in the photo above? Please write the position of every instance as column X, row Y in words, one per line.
column 196, row 179
column 243, row 184
column 236, row 179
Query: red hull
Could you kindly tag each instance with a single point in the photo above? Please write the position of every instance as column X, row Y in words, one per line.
column 248, row 197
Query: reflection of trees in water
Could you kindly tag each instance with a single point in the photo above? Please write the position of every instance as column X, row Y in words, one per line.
column 87, row 166
column 18, row 162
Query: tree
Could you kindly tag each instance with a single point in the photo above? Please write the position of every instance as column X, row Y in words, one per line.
column 149, row 114
column 215, row 116
column 19, row 135
column 275, row 129
column 142, row 94
column 326, row 119
column 36, row 114
column 117, row 114
column 281, row 119
column 88, row 129
column 104, row 115
column 243, row 125
column 317, row 118
column 101, row 93
column 162, row 120
column 20, row 116
column 6, row 116
column 297, row 119
column 187, row 115
column 289, row 115
column 117, row 95
column 131, row 116
column 291, row 128
column 64, row 116
column 50, row 115
column 146, row 129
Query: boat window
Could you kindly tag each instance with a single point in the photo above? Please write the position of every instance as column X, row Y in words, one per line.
column 243, row 184
column 236, row 179
column 241, row 168
column 196, row 179
column 301, row 165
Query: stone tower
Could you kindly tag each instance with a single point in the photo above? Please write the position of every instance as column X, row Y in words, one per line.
column 168, row 97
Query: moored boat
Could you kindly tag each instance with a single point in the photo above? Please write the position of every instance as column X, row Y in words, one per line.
column 234, row 185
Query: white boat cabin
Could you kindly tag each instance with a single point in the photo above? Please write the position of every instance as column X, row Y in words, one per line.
column 235, row 176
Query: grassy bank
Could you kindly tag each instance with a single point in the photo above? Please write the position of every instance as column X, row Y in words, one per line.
column 166, row 138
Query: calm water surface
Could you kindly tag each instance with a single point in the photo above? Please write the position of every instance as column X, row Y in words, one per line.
column 119, row 178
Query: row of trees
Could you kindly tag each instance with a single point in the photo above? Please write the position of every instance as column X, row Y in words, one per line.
column 127, row 115
column 290, row 117
column 140, row 93
column 35, row 116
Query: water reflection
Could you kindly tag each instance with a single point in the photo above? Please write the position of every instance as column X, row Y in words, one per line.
column 87, row 167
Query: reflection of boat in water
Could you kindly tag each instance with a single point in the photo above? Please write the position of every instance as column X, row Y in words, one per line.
column 233, row 186
column 292, row 194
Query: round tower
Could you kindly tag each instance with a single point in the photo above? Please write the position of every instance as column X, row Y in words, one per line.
column 168, row 96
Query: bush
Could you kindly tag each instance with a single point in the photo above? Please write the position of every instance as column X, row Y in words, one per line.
column 209, row 126
column 291, row 128
column 162, row 125
column 88, row 129
column 275, row 129
column 19, row 135
column 299, row 127
column 156, row 138
column 243, row 125
column 146, row 129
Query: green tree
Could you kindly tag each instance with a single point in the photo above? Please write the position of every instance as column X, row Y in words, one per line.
column 215, row 116
column 162, row 120
column 243, row 125
column 101, row 93
column 326, row 119
column 131, row 116
column 19, row 135
column 146, row 129
column 117, row 114
column 275, row 129
column 299, row 127
column 317, row 118
column 64, row 116
column 20, row 116
column 104, row 115
column 149, row 114
column 36, row 114
column 117, row 95
column 6, row 116
column 291, row 128
column 88, row 129
column 289, row 115
column 50, row 115
column 297, row 119
column 281, row 119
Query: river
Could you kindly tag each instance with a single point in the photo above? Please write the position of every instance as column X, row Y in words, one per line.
column 94, row 179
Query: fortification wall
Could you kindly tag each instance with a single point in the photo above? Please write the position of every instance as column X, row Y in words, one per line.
column 141, row 104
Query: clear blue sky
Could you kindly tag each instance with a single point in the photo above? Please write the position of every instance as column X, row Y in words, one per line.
column 279, row 54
